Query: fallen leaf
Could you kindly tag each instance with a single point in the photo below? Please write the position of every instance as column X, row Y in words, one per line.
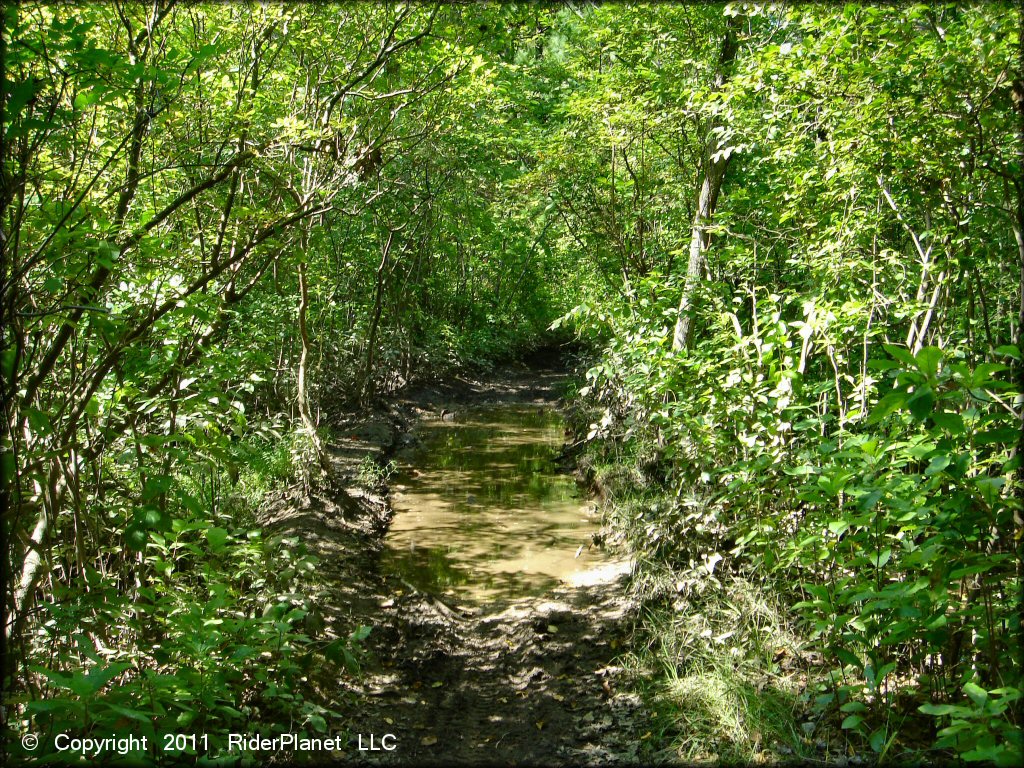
column 437, row 684
column 428, row 741
column 539, row 724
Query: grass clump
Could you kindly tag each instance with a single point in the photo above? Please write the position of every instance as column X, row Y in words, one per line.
column 709, row 666
column 715, row 654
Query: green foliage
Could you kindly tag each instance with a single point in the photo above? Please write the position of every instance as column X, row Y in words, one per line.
column 981, row 729
column 222, row 222
column 372, row 474
column 212, row 653
column 169, row 173
column 880, row 492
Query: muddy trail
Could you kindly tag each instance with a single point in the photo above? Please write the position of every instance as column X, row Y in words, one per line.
column 506, row 680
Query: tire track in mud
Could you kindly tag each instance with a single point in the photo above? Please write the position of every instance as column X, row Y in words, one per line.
column 527, row 682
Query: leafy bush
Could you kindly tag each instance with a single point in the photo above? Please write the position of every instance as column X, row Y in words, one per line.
column 895, row 521
column 191, row 648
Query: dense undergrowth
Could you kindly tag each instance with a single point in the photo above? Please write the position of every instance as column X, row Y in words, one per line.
column 882, row 544
column 867, row 582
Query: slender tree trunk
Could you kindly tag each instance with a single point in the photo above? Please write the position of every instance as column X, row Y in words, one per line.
column 302, row 394
column 1018, row 234
column 713, row 169
column 366, row 385
column 710, row 188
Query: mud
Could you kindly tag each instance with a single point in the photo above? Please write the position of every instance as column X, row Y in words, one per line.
column 524, row 681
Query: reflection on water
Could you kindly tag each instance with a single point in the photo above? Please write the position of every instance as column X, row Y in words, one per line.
column 480, row 511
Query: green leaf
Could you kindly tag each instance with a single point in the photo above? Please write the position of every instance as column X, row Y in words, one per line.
column 1000, row 435
column 882, row 365
column 216, row 537
column 838, row 527
column 19, row 95
column 927, row 360
column 131, row 714
column 951, row 422
column 889, row 403
column 39, row 421
column 156, row 485
column 100, row 676
column 851, row 722
column 867, row 502
column 53, row 705
column 84, row 99
column 940, row 710
column 902, row 354
column 877, row 740
column 136, row 538
column 921, row 403
column 976, row 693
column 107, row 255
column 847, row 658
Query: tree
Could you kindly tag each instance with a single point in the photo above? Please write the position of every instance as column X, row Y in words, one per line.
column 715, row 161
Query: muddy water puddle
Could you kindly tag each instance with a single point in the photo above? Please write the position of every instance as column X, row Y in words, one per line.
column 482, row 513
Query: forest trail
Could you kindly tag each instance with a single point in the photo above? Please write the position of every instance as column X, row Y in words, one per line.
column 528, row 680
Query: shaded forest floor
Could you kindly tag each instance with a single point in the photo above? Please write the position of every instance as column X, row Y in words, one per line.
column 524, row 681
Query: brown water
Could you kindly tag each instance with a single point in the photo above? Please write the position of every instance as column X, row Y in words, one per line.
column 481, row 513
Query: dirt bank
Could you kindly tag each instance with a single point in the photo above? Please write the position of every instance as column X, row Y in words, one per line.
column 530, row 681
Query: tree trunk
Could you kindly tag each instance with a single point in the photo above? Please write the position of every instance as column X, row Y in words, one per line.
column 712, row 175
column 302, row 396
column 366, row 390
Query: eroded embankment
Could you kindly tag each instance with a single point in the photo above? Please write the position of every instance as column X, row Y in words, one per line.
column 523, row 681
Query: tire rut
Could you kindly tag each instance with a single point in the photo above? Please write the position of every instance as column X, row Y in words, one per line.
column 529, row 682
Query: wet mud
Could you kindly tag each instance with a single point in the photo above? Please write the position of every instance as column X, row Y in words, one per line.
column 467, row 670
